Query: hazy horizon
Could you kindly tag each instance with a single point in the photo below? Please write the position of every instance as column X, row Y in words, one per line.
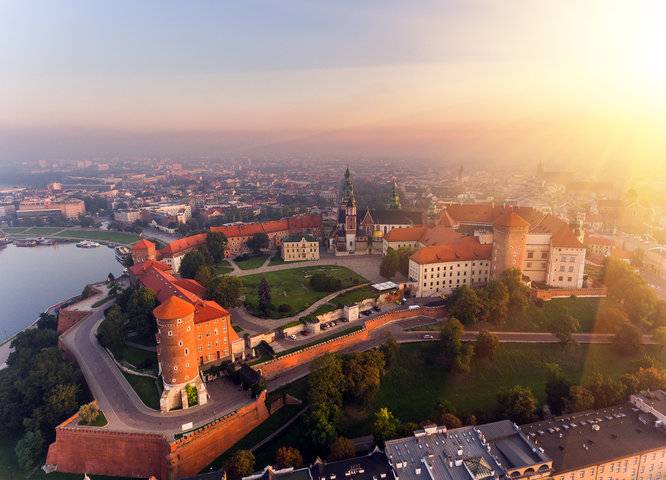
column 483, row 81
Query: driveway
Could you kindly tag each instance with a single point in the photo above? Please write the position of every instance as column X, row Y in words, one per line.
column 122, row 407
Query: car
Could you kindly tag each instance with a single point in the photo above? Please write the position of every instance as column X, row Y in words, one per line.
column 376, row 308
column 414, row 307
column 367, row 313
column 427, row 337
column 293, row 337
column 323, row 326
column 333, row 323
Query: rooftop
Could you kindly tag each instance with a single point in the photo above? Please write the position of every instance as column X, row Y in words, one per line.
column 468, row 453
column 588, row 438
column 297, row 238
column 467, row 248
column 369, row 467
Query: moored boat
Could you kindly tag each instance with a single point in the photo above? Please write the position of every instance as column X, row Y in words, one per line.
column 87, row 244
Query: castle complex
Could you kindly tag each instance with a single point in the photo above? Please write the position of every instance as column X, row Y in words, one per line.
column 190, row 331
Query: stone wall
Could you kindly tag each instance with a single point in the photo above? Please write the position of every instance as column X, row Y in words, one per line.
column 550, row 293
column 68, row 318
column 278, row 365
column 95, row 450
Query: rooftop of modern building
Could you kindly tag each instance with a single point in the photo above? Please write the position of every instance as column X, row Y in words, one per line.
column 589, row 438
column 373, row 466
column 467, row 453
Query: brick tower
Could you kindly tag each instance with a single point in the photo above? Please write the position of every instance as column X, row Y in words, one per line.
column 509, row 237
column 143, row 250
column 177, row 353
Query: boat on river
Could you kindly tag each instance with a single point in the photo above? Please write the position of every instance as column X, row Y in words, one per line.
column 87, row 244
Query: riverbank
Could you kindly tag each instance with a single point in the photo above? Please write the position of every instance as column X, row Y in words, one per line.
column 71, row 234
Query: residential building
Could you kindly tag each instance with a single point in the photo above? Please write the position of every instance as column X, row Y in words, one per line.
column 300, row 247
column 654, row 261
column 625, row 442
column 70, row 209
column 127, row 216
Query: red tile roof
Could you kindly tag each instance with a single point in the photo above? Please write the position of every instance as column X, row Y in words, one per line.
column 511, row 219
column 143, row 244
column 140, row 268
column 468, row 248
column 407, row 234
column 172, row 308
column 439, row 235
column 184, row 244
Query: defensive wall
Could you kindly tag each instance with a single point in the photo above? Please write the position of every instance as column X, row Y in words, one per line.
column 99, row 451
column 548, row 294
column 275, row 366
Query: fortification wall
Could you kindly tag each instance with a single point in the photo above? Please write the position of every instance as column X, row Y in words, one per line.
column 68, row 318
column 103, row 452
column 549, row 294
column 189, row 455
column 140, row 455
column 276, row 366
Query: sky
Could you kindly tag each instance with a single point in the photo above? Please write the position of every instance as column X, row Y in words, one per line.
column 470, row 80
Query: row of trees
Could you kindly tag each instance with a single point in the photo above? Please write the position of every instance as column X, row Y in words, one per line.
column 38, row 390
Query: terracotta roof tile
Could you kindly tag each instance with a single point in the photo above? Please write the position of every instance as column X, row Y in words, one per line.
column 143, row 244
column 407, row 234
column 511, row 219
column 467, row 249
column 172, row 308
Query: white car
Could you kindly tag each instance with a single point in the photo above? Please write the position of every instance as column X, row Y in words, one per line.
column 428, row 337
column 293, row 337
column 414, row 307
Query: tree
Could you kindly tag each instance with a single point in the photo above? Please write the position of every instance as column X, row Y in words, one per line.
column 512, row 280
column 606, row 391
column 286, row 457
column 403, row 260
column 191, row 263
column 628, row 339
column 139, row 310
column 241, row 464
column 226, row 290
column 495, row 302
column 257, row 242
column 326, row 382
column 659, row 336
column 47, row 322
column 88, row 413
column 111, row 333
column 580, row 399
column 557, row 388
column 486, row 344
column 204, row 275
column 341, row 448
column 320, row 423
column 363, row 372
column 464, row 304
column 390, row 264
column 385, row 426
column 60, row 404
column 217, row 244
column 563, row 328
column 517, row 403
column 29, row 449
column 264, row 291
column 390, row 349
column 651, row 378
column 450, row 421
column 456, row 355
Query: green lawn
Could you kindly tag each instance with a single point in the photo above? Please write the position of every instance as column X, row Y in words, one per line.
column 146, row 388
column 222, row 268
column 277, row 260
column 412, row 388
column 292, row 287
column 13, row 230
column 355, row 296
column 537, row 319
column 100, row 421
column 273, row 422
column 102, row 235
column 252, row 262
column 139, row 358
column 38, row 231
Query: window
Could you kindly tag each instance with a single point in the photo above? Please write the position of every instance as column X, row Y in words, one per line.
column 530, row 254
column 180, row 343
column 170, row 333
column 187, row 352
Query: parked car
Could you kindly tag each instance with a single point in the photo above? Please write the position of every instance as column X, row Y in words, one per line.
column 367, row 313
column 376, row 308
column 414, row 307
column 324, row 326
column 293, row 337
column 428, row 337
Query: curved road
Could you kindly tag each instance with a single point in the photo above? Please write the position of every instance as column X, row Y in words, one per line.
column 122, row 407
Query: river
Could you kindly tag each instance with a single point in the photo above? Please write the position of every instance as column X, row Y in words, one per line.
column 32, row 279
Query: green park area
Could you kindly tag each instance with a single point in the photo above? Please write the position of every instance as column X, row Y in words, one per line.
column 146, row 388
column 251, row 262
column 292, row 288
column 100, row 235
column 416, row 382
column 222, row 268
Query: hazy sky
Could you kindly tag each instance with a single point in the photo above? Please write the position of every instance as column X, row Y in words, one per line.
column 469, row 79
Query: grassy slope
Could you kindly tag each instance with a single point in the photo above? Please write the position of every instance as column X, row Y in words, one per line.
column 103, row 235
column 292, row 286
column 255, row 261
column 146, row 388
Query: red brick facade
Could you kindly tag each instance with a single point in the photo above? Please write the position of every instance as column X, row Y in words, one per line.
column 68, row 318
column 103, row 452
column 549, row 294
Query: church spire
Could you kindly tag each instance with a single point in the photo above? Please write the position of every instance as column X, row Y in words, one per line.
column 394, row 200
column 347, row 196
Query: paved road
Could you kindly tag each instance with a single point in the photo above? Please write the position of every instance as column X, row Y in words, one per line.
column 122, row 407
column 254, row 324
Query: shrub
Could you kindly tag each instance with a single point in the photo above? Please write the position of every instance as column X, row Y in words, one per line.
column 285, row 308
column 88, row 413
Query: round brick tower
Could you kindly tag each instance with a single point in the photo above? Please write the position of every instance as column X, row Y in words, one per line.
column 176, row 342
column 509, row 237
